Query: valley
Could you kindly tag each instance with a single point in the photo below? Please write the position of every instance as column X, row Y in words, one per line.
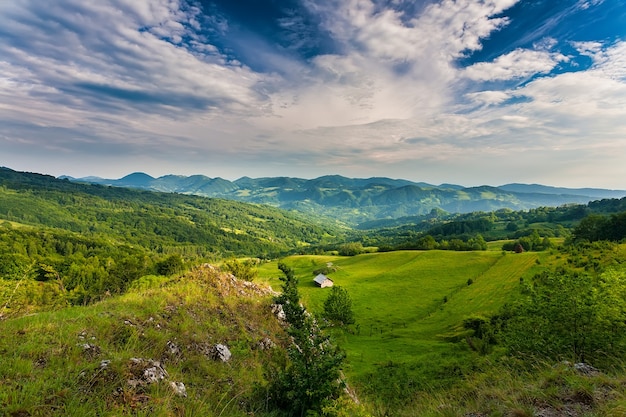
column 452, row 311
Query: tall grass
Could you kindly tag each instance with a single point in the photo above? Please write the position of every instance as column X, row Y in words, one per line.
column 51, row 362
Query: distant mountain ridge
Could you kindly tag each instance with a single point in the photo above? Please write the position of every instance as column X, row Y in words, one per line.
column 544, row 189
column 355, row 200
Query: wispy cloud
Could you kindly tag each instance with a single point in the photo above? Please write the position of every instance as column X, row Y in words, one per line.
column 123, row 55
column 353, row 86
column 515, row 65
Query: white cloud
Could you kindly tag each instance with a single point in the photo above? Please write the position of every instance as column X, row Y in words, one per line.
column 148, row 70
column 567, row 123
column 132, row 61
column 390, row 67
column 443, row 32
column 519, row 63
column 612, row 62
column 459, row 25
column 586, row 4
column 488, row 97
column 591, row 49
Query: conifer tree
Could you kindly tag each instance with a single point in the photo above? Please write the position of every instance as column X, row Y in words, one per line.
column 313, row 376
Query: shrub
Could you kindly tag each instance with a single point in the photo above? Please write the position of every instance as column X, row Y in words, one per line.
column 338, row 306
column 244, row 270
column 351, row 249
column 569, row 314
column 171, row 265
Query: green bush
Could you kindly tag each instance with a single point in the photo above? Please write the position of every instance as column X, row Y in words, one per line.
column 146, row 282
column 338, row 306
column 245, row 270
column 569, row 314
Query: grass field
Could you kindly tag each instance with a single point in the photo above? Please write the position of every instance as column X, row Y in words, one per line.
column 409, row 305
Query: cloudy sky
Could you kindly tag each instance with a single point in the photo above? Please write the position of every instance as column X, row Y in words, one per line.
column 461, row 91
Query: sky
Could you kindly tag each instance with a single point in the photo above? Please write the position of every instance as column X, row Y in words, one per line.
column 470, row 92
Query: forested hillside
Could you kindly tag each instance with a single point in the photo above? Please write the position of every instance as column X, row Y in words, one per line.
column 157, row 221
column 91, row 240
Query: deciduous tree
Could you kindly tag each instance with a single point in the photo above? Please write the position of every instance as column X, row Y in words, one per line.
column 338, row 306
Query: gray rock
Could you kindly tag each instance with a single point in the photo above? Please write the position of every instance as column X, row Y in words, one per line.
column 586, row 369
column 266, row 344
column 146, row 371
column 179, row 388
column 90, row 350
column 278, row 311
column 154, row 374
column 173, row 348
column 221, row 353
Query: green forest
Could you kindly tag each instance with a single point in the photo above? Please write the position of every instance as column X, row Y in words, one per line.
column 482, row 313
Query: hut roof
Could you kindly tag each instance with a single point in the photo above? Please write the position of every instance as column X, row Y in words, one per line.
column 321, row 278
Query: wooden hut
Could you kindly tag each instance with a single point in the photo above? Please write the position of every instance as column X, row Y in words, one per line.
column 323, row 281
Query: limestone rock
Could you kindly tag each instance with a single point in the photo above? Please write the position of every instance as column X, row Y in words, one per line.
column 179, row 388
column 173, row 348
column 586, row 369
column 266, row 344
column 221, row 352
column 277, row 310
column 146, row 372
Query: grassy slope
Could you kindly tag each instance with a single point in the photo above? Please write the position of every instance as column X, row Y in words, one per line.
column 407, row 339
column 398, row 300
column 45, row 370
column 408, row 344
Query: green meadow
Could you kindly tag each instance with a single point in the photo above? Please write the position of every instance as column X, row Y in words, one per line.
column 409, row 306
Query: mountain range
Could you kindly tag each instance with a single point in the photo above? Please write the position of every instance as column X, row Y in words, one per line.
column 356, row 200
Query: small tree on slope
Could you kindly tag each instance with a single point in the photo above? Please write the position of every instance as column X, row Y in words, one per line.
column 338, row 306
column 312, row 378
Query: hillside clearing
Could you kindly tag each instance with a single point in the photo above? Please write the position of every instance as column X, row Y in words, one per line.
column 409, row 305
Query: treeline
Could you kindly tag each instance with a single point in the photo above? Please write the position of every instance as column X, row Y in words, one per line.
column 529, row 230
column 428, row 242
column 359, row 244
column 597, row 227
column 532, row 242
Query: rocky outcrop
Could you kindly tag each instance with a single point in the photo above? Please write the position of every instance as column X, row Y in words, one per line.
column 227, row 284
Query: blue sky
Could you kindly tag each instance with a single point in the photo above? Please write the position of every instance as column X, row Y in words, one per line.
column 460, row 91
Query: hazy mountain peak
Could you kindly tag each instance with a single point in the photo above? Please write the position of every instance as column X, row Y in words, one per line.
column 137, row 175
